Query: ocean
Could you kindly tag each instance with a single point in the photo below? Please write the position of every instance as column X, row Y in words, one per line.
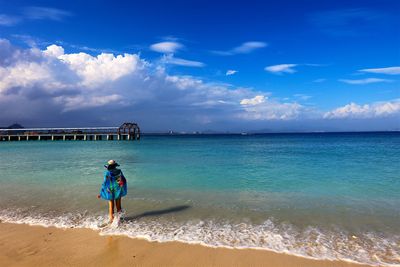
column 318, row 195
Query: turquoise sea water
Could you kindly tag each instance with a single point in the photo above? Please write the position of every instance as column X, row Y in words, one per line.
column 327, row 196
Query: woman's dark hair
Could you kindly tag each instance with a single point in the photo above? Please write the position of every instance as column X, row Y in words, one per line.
column 111, row 167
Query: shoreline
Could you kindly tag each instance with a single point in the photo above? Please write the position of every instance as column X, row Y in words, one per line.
column 26, row 245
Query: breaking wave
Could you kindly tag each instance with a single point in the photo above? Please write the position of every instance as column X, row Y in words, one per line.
column 312, row 242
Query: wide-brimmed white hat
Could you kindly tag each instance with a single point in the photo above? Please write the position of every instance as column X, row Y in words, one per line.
column 111, row 162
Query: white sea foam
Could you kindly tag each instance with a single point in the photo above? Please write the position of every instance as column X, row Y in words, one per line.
column 369, row 248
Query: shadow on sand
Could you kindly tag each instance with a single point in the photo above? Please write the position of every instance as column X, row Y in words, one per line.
column 157, row 212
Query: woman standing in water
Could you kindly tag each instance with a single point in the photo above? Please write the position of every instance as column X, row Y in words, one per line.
column 114, row 187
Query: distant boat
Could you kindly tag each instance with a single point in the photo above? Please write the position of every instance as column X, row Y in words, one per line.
column 244, row 133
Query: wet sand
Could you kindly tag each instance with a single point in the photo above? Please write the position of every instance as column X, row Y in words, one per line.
column 24, row 245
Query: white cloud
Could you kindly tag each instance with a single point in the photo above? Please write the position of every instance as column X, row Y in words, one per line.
column 258, row 99
column 39, row 13
column 281, row 68
column 126, row 84
column 388, row 70
column 230, row 72
column 321, row 80
column 68, row 79
column 272, row 110
column 302, row 96
column 170, row 59
column 364, row 81
column 54, row 51
column 184, row 82
column 25, row 74
column 166, row 47
column 248, row 47
column 244, row 48
column 7, row 20
column 289, row 68
column 43, row 87
column 34, row 13
column 105, row 67
column 353, row 110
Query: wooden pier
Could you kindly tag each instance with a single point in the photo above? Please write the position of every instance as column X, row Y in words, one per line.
column 127, row 131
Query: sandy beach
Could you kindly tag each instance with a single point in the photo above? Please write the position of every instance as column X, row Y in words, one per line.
column 24, row 245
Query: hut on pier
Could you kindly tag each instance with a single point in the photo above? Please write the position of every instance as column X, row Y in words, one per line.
column 130, row 129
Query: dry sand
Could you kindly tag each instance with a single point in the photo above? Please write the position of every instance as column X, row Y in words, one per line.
column 23, row 245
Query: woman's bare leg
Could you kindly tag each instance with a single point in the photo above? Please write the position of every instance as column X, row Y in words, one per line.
column 118, row 204
column 111, row 210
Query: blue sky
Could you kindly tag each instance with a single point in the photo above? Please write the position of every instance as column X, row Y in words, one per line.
column 226, row 65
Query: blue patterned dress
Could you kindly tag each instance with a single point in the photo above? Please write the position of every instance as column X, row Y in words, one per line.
column 114, row 185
